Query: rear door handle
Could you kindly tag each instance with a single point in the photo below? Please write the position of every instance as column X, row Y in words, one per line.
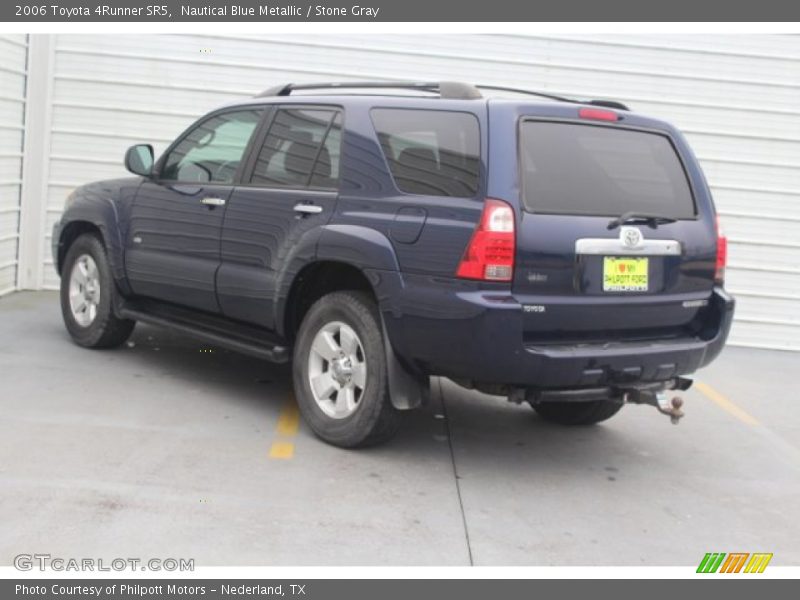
column 212, row 201
column 308, row 209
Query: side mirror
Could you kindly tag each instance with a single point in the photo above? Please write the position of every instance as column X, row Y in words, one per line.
column 139, row 160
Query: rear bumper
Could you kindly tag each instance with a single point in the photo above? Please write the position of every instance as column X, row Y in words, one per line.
column 475, row 336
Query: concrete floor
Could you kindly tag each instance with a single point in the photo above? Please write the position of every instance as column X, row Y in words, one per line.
column 162, row 449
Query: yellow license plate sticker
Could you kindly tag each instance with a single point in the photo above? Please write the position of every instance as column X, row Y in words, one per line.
column 627, row 274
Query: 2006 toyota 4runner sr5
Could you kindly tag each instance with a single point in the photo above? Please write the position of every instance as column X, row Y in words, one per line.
column 563, row 253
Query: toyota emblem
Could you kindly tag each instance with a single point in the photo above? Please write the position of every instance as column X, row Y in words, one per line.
column 630, row 237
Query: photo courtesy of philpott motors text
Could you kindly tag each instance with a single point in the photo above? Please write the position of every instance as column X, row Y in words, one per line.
column 135, row 590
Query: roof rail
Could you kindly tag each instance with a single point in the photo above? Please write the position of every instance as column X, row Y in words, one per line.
column 500, row 88
column 605, row 103
column 445, row 89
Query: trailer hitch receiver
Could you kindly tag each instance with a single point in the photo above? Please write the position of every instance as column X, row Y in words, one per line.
column 660, row 399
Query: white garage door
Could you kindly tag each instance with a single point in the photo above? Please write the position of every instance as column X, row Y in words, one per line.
column 13, row 49
column 736, row 97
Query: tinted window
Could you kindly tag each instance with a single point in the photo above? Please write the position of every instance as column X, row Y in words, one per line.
column 212, row 151
column 430, row 152
column 594, row 170
column 302, row 148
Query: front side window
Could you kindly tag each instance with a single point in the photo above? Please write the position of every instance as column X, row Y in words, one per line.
column 430, row 152
column 302, row 149
column 212, row 151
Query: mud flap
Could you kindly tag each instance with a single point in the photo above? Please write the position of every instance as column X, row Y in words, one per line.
column 407, row 389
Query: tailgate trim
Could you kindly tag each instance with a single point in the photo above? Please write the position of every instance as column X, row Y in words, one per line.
column 613, row 246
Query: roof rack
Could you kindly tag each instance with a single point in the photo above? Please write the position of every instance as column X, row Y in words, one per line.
column 604, row 103
column 500, row 88
column 445, row 89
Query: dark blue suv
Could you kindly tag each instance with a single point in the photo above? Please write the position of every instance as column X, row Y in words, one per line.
column 563, row 253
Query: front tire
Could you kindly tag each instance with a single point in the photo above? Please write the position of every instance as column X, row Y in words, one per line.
column 577, row 413
column 339, row 371
column 87, row 296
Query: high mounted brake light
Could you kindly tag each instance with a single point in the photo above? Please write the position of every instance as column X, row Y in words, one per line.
column 489, row 256
column 598, row 114
column 722, row 255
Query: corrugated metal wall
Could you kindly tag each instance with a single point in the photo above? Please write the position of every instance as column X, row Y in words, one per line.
column 13, row 49
column 736, row 97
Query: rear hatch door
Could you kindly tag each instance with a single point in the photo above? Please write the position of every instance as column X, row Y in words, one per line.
column 583, row 278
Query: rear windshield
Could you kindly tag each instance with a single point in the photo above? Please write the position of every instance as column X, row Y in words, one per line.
column 430, row 152
column 578, row 169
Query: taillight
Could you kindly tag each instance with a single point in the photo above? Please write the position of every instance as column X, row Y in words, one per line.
column 598, row 114
column 722, row 255
column 490, row 253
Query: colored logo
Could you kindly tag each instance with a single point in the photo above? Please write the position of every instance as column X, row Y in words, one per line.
column 735, row 562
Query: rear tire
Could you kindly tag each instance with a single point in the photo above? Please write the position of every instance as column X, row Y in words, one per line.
column 339, row 348
column 577, row 413
column 87, row 296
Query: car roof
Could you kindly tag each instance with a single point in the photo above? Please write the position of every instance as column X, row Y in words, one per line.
column 442, row 96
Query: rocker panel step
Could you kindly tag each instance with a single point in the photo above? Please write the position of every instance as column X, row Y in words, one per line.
column 233, row 335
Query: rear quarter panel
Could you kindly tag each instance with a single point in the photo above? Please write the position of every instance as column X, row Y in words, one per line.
column 441, row 226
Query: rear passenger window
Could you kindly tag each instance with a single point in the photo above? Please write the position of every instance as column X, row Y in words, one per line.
column 430, row 152
column 302, row 149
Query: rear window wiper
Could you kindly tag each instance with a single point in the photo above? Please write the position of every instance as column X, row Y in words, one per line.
column 652, row 221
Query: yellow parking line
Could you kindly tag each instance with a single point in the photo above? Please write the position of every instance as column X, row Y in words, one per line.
column 726, row 404
column 289, row 421
column 281, row 450
column 288, row 424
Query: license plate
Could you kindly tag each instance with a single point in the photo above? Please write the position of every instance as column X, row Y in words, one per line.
column 625, row 274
